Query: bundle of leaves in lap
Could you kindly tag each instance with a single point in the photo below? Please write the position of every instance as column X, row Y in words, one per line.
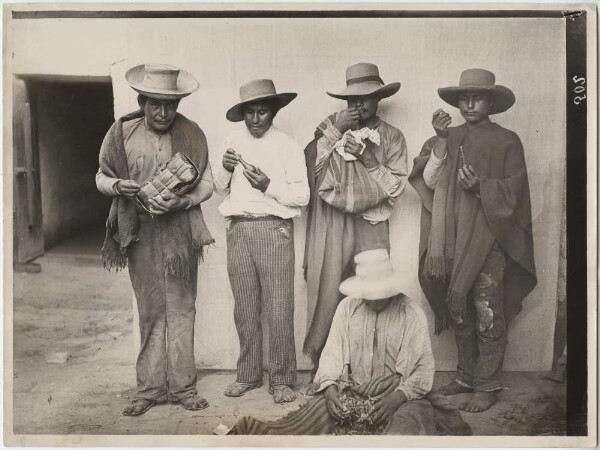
column 356, row 416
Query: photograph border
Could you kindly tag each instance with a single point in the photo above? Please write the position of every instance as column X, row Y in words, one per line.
column 581, row 167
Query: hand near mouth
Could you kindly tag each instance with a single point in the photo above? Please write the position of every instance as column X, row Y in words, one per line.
column 347, row 120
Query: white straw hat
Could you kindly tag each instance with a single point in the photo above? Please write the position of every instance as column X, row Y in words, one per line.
column 258, row 90
column 161, row 81
column 375, row 277
column 363, row 79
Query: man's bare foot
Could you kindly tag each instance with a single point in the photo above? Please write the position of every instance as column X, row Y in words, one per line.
column 454, row 388
column 479, row 402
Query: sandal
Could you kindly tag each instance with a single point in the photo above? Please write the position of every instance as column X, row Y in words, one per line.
column 138, row 407
column 282, row 393
column 193, row 402
column 238, row 389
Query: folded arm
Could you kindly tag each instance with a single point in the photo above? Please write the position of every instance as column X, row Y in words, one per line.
column 391, row 174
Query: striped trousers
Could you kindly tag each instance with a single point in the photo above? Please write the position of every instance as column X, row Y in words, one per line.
column 260, row 264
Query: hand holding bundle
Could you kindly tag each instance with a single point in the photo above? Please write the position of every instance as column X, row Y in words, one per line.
column 178, row 176
column 359, row 136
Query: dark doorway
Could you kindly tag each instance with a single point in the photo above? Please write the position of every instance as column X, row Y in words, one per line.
column 67, row 119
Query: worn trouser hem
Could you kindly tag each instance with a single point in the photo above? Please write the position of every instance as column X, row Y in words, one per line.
column 280, row 383
column 260, row 380
column 162, row 398
column 181, row 395
column 463, row 384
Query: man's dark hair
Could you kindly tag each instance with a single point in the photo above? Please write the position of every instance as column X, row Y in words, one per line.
column 142, row 99
column 272, row 103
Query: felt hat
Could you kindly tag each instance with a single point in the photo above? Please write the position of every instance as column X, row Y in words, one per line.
column 363, row 79
column 256, row 90
column 161, row 81
column 479, row 80
column 375, row 278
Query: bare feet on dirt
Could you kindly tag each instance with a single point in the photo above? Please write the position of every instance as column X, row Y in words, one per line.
column 454, row 388
column 479, row 402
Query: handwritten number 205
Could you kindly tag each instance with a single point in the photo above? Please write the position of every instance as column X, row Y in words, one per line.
column 579, row 89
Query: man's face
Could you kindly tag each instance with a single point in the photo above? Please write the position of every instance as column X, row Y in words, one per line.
column 258, row 117
column 160, row 113
column 378, row 305
column 474, row 106
column 365, row 105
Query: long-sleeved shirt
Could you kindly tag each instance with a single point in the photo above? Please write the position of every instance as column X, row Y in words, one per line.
column 393, row 341
column 281, row 159
column 147, row 151
column 391, row 172
column 433, row 169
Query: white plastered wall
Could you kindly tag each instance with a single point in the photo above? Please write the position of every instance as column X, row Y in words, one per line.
column 309, row 56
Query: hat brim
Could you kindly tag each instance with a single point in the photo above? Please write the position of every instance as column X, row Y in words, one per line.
column 236, row 112
column 502, row 97
column 364, row 89
column 371, row 289
column 186, row 84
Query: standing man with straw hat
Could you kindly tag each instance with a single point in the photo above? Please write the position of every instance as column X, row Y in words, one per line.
column 357, row 166
column 264, row 179
column 476, row 249
column 162, row 240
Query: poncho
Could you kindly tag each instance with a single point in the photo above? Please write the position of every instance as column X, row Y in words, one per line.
column 458, row 229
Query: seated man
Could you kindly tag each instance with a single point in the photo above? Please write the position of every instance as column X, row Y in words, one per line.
column 378, row 348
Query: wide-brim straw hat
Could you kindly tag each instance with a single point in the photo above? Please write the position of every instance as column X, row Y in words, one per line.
column 375, row 277
column 363, row 79
column 479, row 80
column 161, row 81
column 257, row 90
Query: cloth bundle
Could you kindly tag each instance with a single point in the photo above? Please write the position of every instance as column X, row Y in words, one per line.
column 347, row 185
column 179, row 175
column 359, row 136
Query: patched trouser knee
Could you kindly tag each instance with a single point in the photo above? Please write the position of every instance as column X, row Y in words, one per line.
column 482, row 337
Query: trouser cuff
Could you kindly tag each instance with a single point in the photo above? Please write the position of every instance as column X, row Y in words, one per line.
column 181, row 395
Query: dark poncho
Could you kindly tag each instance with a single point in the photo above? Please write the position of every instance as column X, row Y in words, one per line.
column 458, row 229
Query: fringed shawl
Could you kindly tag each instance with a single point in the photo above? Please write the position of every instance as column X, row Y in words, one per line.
column 187, row 231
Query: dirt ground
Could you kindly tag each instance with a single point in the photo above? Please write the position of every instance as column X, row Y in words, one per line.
column 62, row 310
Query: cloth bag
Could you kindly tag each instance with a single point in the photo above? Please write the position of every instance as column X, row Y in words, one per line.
column 348, row 186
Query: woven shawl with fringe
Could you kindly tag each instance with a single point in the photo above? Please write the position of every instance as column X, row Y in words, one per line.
column 186, row 230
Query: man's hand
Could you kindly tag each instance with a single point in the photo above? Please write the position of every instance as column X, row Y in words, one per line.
column 367, row 157
column 230, row 160
column 128, row 188
column 347, row 120
column 258, row 180
column 332, row 400
column 167, row 202
column 440, row 122
column 387, row 406
column 468, row 179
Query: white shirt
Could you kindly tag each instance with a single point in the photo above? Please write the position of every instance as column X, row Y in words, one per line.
column 433, row 169
column 280, row 158
column 393, row 341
